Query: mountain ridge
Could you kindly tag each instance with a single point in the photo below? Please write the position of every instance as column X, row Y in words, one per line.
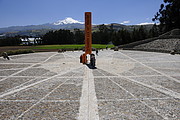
column 68, row 20
column 67, row 23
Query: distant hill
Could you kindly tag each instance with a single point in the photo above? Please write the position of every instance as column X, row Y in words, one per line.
column 164, row 43
column 35, row 30
column 117, row 26
column 68, row 23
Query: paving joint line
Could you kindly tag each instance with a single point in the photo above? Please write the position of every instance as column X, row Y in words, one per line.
column 25, row 87
column 12, row 69
column 16, row 63
column 163, row 62
column 154, row 87
column 71, row 77
column 157, row 88
column 164, row 117
column 27, row 68
column 135, row 99
column 22, row 84
column 128, row 76
column 133, row 73
column 171, row 78
column 146, row 76
column 70, row 56
column 166, row 68
column 16, row 87
column 18, row 100
column 59, row 101
column 27, row 76
column 41, row 99
column 149, row 56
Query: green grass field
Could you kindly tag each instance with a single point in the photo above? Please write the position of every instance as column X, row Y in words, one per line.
column 99, row 46
column 13, row 50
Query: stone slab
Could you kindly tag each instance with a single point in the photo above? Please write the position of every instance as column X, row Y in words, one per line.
column 35, row 92
column 168, row 107
column 126, row 85
column 138, row 90
column 33, row 72
column 53, row 111
column 12, row 82
column 11, row 110
column 68, row 91
column 160, row 80
column 13, row 66
column 105, row 89
column 126, row 110
column 7, row 72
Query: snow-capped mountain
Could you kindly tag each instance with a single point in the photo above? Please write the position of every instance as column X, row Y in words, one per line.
column 68, row 20
column 68, row 23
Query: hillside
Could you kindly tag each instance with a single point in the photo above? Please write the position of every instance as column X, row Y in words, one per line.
column 161, row 45
column 68, row 23
column 167, row 42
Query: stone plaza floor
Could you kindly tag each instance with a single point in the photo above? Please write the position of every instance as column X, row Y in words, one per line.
column 125, row 85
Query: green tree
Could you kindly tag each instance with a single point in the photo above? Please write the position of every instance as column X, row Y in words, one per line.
column 142, row 33
column 10, row 41
column 48, row 38
column 135, row 35
column 117, row 39
column 154, row 31
column 59, row 37
column 121, row 37
column 102, row 36
column 168, row 15
column 78, row 36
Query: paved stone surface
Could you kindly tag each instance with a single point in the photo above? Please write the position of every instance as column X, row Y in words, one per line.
column 126, row 85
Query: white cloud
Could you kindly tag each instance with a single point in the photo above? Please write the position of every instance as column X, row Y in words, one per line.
column 125, row 22
column 157, row 23
column 145, row 23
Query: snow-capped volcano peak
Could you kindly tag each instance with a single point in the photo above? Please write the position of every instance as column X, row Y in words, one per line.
column 68, row 20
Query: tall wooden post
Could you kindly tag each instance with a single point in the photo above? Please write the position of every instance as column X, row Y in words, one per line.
column 88, row 37
column 88, row 33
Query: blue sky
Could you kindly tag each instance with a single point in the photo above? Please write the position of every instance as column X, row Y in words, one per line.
column 34, row 12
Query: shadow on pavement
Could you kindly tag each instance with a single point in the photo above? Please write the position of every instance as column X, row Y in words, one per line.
column 91, row 67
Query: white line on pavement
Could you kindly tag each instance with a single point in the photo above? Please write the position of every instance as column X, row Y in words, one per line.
column 29, row 67
column 25, row 87
column 171, row 78
column 88, row 101
column 40, row 100
column 164, row 117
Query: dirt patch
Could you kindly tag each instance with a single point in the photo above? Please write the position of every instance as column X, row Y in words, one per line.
column 8, row 48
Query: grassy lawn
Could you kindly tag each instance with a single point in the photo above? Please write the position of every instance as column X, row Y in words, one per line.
column 13, row 50
column 68, row 46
